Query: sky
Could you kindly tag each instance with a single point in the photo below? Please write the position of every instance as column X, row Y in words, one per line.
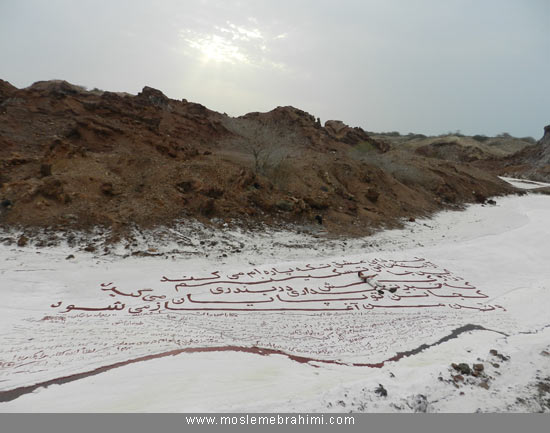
column 423, row 66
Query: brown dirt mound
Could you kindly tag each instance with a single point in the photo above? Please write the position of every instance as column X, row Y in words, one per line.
column 76, row 158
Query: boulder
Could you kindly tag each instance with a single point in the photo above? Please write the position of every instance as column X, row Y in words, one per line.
column 463, row 368
column 153, row 97
column 336, row 127
column 545, row 140
column 338, row 130
column 478, row 367
column 6, row 90
column 57, row 88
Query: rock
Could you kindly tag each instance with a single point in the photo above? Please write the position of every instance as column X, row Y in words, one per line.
column 107, row 189
column 478, row 367
column 169, row 150
column 335, row 126
column 6, row 90
column 484, row 385
column 381, row 391
column 538, row 158
column 52, row 189
column 352, row 207
column 208, row 207
column 494, row 364
column 543, row 387
column 412, row 219
column 58, row 88
column 458, row 378
column 462, row 367
column 22, row 241
column 45, row 170
column 480, row 197
column 318, row 202
column 545, row 140
column 70, row 217
column 154, row 97
column 288, row 116
column 187, row 186
column 90, row 248
column 491, row 202
column 499, row 355
column 213, row 192
column 372, row 194
column 447, row 193
column 69, row 257
column 285, row 206
column 342, row 132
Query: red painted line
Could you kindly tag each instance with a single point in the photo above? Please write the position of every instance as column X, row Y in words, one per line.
column 12, row 394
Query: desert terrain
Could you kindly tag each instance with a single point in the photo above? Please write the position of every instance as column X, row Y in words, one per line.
column 158, row 256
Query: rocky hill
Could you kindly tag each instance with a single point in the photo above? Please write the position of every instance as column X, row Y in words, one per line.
column 537, row 158
column 528, row 161
column 73, row 158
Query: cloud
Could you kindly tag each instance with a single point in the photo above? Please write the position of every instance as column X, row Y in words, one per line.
column 215, row 48
column 234, row 44
column 240, row 33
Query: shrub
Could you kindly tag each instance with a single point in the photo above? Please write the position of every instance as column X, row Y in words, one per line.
column 480, row 138
column 266, row 143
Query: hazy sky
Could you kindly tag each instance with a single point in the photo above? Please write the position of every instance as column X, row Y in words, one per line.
column 429, row 66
